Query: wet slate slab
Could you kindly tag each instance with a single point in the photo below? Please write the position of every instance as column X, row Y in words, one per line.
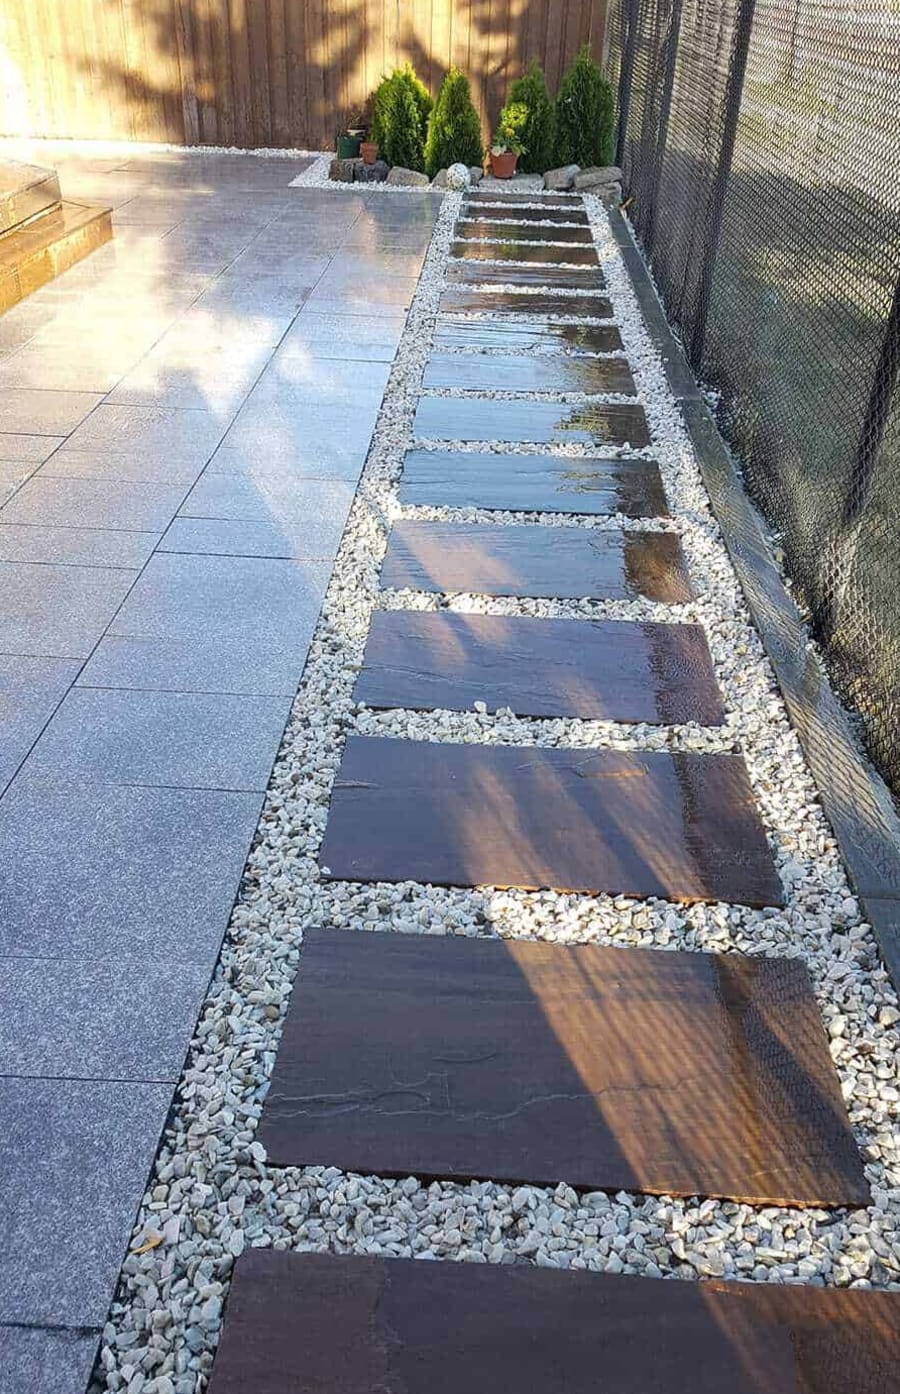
column 566, row 563
column 533, row 483
column 475, row 230
column 500, row 334
column 604, row 1068
column 603, row 670
column 459, row 300
column 438, row 1328
column 559, row 277
column 488, row 212
column 680, row 826
column 537, row 423
column 546, row 257
column 481, row 372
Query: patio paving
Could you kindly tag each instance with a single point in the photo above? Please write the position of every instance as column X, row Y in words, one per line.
column 183, row 419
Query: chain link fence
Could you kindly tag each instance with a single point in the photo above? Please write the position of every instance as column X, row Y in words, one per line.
column 760, row 144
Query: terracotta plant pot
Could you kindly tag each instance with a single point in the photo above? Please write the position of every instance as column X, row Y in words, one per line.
column 369, row 151
column 504, row 166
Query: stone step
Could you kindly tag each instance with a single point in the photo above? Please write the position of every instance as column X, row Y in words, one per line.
column 48, row 245
column 537, row 253
column 531, row 423
column 297, row 1323
column 682, row 827
column 506, row 335
column 523, row 1062
column 540, row 562
column 479, row 213
column 477, row 230
column 510, row 274
column 497, row 372
column 598, row 670
column 490, row 300
column 25, row 192
column 533, row 483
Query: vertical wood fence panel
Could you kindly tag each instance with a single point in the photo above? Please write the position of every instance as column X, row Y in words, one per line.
column 260, row 72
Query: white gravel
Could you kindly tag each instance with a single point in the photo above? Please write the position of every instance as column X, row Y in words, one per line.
column 212, row 1193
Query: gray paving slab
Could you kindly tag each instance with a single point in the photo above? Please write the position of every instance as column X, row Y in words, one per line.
column 35, row 1359
column 325, row 456
column 153, row 466
column 155, row 431
column 260, row 295
column 341, row 336
column 19, row 446
column 30, row 690
column 225, row 538
column 177, row 739
column 57, row 611
column 120, row 870
column 74, row 1159
column 304, row 430
column 216, row 663
column 220, row 393
column 341, row 295
column 340, row 384
column 204, row 597
column 34, row 411
column 56, row 366
column 94, row 503
column 320, row 506
column 103, row 1018
column 75, row 546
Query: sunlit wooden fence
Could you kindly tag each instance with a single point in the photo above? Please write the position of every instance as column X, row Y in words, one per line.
column 259, row 72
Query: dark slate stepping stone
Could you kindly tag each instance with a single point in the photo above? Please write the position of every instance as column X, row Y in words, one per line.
column 486, row 213
column 527, row 560
column 605, row 1068
column 477, row 230
column 479, row 334
column 482, row 196
column 680, row 826
column 533, row 483
column 538, row 252
column 482, row 372
column 604, row 670
column 509, row 274
column 459, row 300
column 539, row 423
column 297, row 1323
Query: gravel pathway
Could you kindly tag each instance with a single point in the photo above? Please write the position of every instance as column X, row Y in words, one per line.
column 212, row 1193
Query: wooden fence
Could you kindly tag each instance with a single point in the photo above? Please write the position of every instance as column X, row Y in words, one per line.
column 259, row 72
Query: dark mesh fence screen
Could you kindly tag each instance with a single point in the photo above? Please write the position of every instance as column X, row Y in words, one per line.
column 760, row 142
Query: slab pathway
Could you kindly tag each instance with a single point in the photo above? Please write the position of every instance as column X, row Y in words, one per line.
column 183, row 419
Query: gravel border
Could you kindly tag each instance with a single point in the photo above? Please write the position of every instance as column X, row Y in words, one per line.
column 212, row 1193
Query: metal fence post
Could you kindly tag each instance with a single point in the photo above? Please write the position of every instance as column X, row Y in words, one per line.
column 734, row 88
column 672, row 40
column 626, row 73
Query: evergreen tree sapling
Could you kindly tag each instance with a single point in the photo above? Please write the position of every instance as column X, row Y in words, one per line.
column 400, row 110
column 584, row 114
column 454, row 130
column 539, row 132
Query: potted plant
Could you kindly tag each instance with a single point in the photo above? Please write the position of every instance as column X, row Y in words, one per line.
column 369, row 151
column 347, row 145
column 350, row 137
column 507, row 146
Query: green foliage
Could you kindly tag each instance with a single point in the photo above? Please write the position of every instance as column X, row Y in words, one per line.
column 454, row 130
column 400, row 110
column 509, row 133
column 539, row 133
column 584, row 114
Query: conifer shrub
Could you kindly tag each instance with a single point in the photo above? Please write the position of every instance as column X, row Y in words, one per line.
column 454, row 129
column 539, row 131
column 584, row 114
column 401, row 107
